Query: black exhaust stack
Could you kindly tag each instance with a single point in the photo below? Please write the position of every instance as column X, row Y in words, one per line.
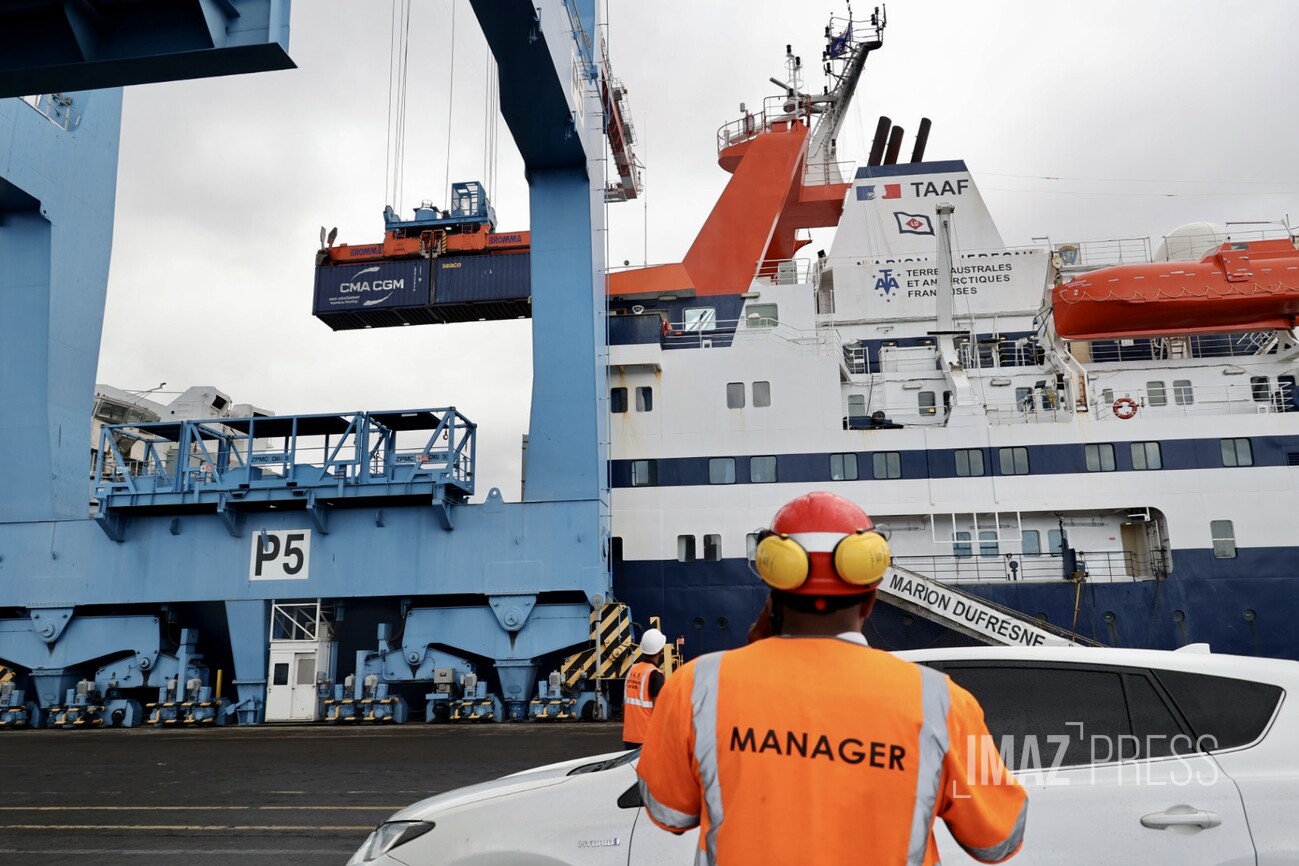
column 922, row 139
column 881, row 136
column 895, row 146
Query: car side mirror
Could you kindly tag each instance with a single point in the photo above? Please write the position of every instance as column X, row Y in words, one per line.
column 630, row 798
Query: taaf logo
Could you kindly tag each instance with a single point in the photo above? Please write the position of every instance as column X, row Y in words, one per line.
column 886, row 283
column 867, row 192
column 913, row 223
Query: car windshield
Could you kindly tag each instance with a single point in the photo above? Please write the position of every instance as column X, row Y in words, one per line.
column 601, row 766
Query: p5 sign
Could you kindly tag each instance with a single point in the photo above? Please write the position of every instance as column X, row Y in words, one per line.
column 280, row 555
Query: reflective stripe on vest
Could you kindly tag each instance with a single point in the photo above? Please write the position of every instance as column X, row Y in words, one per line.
column 637, row 705
column 935, row 702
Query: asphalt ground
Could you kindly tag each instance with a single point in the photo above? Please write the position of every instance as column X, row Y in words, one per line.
column 287, row 796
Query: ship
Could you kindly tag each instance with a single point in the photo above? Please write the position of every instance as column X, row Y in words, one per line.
column 1101, row 437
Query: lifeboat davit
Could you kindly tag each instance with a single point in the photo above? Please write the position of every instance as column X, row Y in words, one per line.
column 1240, row 286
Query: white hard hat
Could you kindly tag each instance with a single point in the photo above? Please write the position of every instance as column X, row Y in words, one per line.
column 652, row 642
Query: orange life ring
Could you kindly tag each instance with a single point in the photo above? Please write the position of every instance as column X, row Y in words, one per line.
column 1125, row 408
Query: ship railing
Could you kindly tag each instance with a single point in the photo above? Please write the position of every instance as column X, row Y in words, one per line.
column 783, row 272
column 826, row 173
column 1089, row 255
column 776, row 111
column 722, row 332
column 1182, row 397
column 1095, row 566
column 1241, row 345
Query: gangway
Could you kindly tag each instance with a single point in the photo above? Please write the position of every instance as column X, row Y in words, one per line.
column 967, row 614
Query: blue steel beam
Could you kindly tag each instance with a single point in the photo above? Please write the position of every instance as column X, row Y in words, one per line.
column 49, row 46
column 57, row 187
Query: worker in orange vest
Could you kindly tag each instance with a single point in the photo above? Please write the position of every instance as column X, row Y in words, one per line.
column 644, row 681
column 810, row 747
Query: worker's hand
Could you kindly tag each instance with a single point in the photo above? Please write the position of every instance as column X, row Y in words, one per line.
column 765, row 625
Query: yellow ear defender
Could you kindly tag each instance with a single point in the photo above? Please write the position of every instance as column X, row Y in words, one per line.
column 781, row 561
column 862, row 558
column 859, row 559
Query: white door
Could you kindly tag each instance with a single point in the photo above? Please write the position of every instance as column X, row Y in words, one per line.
column 279, row 692
column 291, row 692
column 304, row 686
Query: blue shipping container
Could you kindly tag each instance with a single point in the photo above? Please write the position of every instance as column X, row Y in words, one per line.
column 479, row 279
column 372, row 286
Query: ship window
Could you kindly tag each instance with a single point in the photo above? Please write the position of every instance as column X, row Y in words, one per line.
column 887, row 464
column 699, row 319
column 1024, row 399
column 615, row 549
column 1224, row 539
column 618, row 400
column 1013, row 461
column 734, row 395
column 1031, row 542
column 843, row 467
column 762, row 470
column 961, row 544
column 644, row 398
column 685, row 548
column 751, row 545
column 969, row 462
column 1237, row 452
column 761, row 394
column 644, row 473
column 721, row 470
column 1100, row 457
column 1054, row 542
column 1145, row 455
column 988, row 542
column 1260, row 389
column 856, row 405
column 713, row 548
column 928, row 403
column 1156, row 395
column 1183, row 395
column 760, row 315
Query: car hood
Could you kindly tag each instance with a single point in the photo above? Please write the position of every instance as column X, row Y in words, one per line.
column 526, row 780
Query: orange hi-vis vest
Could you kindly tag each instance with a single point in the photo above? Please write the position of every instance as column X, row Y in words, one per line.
column 822, row 750
column 637, row 705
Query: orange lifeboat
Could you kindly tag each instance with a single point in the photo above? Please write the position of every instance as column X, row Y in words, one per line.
column 1241, row 286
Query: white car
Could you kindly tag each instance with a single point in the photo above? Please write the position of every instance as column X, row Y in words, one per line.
column 1129, row 756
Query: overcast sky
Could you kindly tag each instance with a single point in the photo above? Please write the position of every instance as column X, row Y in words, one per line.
column 1080, row 121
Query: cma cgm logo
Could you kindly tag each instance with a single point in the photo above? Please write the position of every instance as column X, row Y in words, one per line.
column 886, row 283
column 360, row 285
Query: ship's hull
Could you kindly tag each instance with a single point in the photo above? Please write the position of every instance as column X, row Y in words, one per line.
column 1249, row 613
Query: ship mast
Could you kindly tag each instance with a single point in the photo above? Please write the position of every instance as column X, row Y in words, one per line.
column 843, row 60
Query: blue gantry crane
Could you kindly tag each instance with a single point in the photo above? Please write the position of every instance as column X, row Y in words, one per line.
column 226, row 564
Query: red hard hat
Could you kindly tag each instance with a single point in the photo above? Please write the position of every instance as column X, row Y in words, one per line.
column 818, row 522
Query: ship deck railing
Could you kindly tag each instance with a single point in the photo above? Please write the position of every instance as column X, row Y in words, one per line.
column 339, row 459
column 1098, row 566
column 1250, row 344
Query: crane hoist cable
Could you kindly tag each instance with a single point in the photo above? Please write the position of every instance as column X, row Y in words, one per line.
column 451, row 91
column 398, row 65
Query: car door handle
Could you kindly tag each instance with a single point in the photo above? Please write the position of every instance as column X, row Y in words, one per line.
column 1181, row 816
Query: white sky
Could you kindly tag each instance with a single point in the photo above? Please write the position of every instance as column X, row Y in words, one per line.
column 1080, row 121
